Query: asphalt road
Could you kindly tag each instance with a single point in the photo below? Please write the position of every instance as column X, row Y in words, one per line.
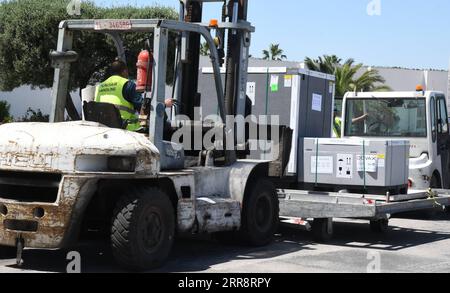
column 411, row 245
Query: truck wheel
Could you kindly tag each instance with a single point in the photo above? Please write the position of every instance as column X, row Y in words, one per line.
column 143, row 228
column 322, row 230
column 260, row 214
column 379, row 226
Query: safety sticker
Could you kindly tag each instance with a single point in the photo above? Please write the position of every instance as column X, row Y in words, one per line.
column 344, row 166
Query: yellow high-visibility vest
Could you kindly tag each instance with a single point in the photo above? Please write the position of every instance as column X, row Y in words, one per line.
column 111, row 91
column 337, row 127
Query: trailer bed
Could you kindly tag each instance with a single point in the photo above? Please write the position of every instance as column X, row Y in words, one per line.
column 312, row 204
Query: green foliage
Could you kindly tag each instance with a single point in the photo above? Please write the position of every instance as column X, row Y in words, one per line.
column 5, row 116
column 274, row 53
column 326, row 64
column 29, row 30
column 346, row 75
column 204, row 49
column 34, row 116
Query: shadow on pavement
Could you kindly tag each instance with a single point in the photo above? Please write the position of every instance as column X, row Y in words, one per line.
column 359, row 235
column 189, row 255
column 196, row 254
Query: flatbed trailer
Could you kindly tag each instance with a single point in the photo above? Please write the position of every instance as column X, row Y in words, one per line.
column 300, row 206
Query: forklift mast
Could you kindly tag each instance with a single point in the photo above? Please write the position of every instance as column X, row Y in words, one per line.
column 237, row 49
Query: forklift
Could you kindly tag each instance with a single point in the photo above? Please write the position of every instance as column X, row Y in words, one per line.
column 60, row 178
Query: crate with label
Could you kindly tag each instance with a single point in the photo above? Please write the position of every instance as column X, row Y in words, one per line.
column 356, row 162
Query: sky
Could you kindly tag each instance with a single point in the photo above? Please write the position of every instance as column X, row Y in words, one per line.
column 412, row 34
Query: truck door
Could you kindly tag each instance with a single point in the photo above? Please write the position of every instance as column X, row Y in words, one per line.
column 443, row 139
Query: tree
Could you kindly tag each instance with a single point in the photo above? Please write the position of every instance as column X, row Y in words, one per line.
column 346, row 75
column 326, row 64
column 274, row 53
column 5, row 116
column 29, row 30
column 35, row 116
column 204, row 49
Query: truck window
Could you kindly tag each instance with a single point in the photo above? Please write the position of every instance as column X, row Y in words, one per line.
column 443, row 117
column 391, row 117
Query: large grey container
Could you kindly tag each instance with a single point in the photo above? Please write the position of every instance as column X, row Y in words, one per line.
column 356, row 162
column 302, row 99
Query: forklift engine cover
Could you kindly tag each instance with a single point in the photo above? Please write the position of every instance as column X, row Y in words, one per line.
column 75, row 147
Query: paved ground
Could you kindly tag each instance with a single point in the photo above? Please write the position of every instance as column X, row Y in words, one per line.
column 411, row 245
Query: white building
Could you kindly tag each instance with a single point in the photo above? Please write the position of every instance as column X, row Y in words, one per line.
column 399, row 79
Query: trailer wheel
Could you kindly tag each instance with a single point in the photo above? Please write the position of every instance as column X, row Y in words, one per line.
column 322, row 230
column 7, row 252
column 379, row 226
column 143, row 228
column 260, row 214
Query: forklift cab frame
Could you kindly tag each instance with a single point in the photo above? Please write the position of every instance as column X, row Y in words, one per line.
column 170, row 157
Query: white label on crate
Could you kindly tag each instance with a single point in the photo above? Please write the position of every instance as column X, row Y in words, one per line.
column 251, row 92
column 370, row 166
column 317, row 102
column 323, row 164
column 288, row 80
column 344, row 165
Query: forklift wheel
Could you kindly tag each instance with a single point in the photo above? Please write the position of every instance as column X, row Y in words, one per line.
column 260, row 214
column 322, row 230
column 379, row 226
column 143, row 228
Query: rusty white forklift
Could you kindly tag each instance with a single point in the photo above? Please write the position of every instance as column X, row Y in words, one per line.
column 59, row 178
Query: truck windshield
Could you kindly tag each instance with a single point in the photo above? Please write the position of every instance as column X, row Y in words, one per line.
column 393, row 117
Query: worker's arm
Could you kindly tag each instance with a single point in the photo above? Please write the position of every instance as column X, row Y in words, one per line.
column 362, row 118
column 132, row 96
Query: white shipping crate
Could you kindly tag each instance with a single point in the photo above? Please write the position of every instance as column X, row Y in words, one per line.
column 356, row 162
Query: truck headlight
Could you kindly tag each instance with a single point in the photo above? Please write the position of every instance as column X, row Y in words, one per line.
column 105, row 164
column 121, row 164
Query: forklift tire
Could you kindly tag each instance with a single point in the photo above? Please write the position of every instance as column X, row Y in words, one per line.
column 379, row 226
column 322, row 230
column 143, row 229
column 260, row 214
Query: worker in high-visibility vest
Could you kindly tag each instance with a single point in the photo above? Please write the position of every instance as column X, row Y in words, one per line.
column 121, row 92
column 337, row 123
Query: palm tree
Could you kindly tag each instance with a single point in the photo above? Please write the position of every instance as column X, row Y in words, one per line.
column 274, row 53
column 346, row 80
column 326, row 64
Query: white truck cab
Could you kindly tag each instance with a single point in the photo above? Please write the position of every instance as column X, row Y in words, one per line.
column 419, row 116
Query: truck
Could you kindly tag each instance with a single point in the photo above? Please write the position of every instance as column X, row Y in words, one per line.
column 60, row 178
column 418, row 116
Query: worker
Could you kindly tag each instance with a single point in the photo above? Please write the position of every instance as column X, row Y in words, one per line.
column 337, row 122
column 121, row 92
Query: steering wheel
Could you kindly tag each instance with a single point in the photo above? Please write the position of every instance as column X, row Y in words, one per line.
column 379, row 125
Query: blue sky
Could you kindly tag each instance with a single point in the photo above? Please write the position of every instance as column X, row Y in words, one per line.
column 413, row 33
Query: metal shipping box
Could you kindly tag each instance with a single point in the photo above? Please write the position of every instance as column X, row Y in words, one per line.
column 356, row 162
column 303, row 100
